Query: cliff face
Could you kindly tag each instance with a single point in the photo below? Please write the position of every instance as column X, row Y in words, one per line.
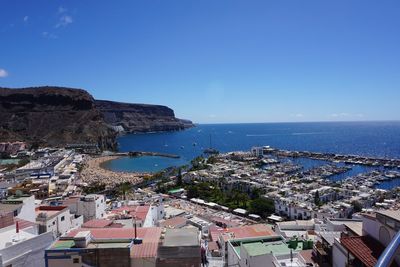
column 140, row 117
column 52, row 116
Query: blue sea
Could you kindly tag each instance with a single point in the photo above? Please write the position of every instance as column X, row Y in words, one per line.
column 379, row 139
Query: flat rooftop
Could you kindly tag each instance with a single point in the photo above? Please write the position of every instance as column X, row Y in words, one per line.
column 276, row 247
column 394, row 214
column 9, row 234
column 181, row 237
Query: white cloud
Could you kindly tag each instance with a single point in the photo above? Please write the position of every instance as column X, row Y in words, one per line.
column 347, row 115
column 62, row 10
column 64, row 21
column 49, row 35
column 343, row 114
column 26, row 18
column 298, row 115
column 3, row 73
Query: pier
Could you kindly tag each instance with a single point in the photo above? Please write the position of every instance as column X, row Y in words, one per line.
column 143, row 153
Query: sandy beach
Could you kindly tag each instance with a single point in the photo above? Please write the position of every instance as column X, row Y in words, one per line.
column 93, row 172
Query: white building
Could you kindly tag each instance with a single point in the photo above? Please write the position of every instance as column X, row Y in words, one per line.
column 378, row 230
column 26, row 209
column 263, row 251
column 91, row 207
column 292, row 210
column 25, row 248
column 56, row 219
column 157, row 213
column 257, row 151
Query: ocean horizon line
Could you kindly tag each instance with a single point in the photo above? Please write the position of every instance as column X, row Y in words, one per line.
column 294, row 122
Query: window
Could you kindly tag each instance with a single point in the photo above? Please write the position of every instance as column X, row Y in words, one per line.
column 63, row 218
column 76, row 260
column 54, row 222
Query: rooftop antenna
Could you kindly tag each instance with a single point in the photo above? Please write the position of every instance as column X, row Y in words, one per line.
column 135, row 230
column 291, row 256
column 136, row 241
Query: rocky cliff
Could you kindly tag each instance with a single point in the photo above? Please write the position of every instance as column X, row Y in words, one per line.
column 135, row 118
column 52, row 116
column 56, row 116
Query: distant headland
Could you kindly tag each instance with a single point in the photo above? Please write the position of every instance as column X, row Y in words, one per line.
column 58, row 116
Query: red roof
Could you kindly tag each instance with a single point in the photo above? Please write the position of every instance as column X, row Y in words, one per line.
column 150, row 234
column 22, row 224
column 307, row 256
column 139, row 212
column 145, row 250
column 97, row 223
column 213, row 246
column 256, row 230
column 174, row 222
column 364, row 248
column 51, row 208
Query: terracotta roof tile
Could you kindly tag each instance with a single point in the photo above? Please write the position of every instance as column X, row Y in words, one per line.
column 145, row 250
column 364, row 248
column 97, row 223
column 307, row 255
column 174, row 222
column 213, row 246
column 150, row 234
column 140, row 212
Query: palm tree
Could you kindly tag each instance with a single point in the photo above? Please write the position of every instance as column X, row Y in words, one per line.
column 124, row 188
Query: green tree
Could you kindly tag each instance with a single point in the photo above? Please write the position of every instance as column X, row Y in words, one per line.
column 197, row 163
column 357, row 207
column 192, row 192
column 124, row 188
column 179, row 178
column 212, row 160
column 235, row 197
column 262, row 206
column 256, row 193
column 244, row 198
column 317, row 200
column 94, row 188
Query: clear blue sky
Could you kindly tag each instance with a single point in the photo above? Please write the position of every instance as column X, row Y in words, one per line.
column 213, row 60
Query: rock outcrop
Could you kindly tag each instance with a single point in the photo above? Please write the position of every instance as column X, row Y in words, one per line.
column 134, row 118
column 53, row 116
column 57, row 116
